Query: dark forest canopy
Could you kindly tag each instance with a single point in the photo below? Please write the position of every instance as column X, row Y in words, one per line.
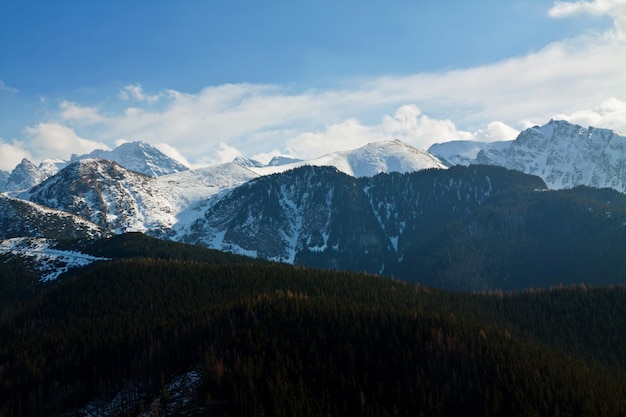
column 280, row 340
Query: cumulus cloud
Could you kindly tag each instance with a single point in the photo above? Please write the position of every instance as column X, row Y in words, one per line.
column 495, row 131
column 5, row 88
column 408, row 124
column 75, row 112
column 172, row 152
column 266, row 157
column 12, row 153
column 226, row 153
column 616, row 9
column 135, row 92
column 55, row 140
column 611, row 114
column 562, row 9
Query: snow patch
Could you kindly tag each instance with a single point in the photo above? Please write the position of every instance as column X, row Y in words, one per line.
column 48, row 261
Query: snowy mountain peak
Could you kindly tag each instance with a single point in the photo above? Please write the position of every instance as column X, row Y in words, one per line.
column 369, row 160
column 386, row 156
column 247, row 162
column 282, row 160
column 563, row 154
column 50, row 166
column 24, row 176
column 139, row 157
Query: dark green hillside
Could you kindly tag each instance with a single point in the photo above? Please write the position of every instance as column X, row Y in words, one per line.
column 279, row 340
column 531, row 240
column 138, row 245
column 18, row 282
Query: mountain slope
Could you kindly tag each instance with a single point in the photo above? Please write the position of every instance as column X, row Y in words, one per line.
column 538, row 240
column 318, row 216
column 19, row 218
column 43, row 257
column 315, row 209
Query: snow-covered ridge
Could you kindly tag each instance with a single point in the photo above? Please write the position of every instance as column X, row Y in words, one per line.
column 367, row 161
column 41, row 253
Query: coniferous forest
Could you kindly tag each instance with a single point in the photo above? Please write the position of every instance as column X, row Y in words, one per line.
column 277, row 340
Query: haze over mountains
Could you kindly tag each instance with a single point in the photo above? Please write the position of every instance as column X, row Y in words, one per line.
column 384, row 208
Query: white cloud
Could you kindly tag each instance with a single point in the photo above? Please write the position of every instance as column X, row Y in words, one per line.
column 611, row 114
column 135, row 92
column 266, row 157
column 12, row 154
column 495, row 131
column 562, row 9
column 562, row 77
column 487, row 103
column 120, row 142
column 75, row 112
column 55, row 140
column 616, row 9
column 7, row 89
column 172, row 153
column 408, row 124
column 226, row 153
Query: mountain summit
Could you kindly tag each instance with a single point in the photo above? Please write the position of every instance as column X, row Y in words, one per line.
column 24, row 176
column 139, row 157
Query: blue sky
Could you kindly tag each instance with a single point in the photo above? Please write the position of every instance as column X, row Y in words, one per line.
column 207, row 80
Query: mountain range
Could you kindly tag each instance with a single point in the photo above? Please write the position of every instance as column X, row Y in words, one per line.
column 139, row 157
column 385, row 208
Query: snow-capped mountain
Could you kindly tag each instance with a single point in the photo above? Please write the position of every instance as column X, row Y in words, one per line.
column 122, row 200
column 98, row 190
column 139, row 157
column 369, row 160
column 24, row 176
column 562, row 153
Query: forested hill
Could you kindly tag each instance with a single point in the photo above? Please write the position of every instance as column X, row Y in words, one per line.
column 271, row 339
